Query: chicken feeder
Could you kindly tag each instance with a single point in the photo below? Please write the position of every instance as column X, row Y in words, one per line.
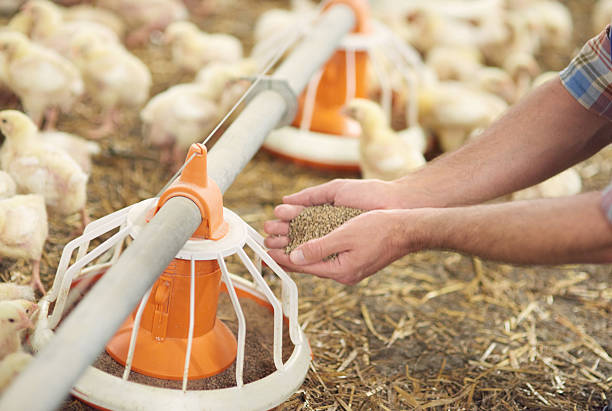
column 321, row 135
column 174, row 333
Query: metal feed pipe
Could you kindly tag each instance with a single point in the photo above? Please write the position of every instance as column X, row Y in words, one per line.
column 82, row 336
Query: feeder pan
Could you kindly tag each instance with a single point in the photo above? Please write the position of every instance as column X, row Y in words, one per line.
column 321, row 136
column 163, row 338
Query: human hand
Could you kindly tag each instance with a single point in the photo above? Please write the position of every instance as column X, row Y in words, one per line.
column 364, row 245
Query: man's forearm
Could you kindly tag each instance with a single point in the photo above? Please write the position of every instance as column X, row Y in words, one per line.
column 544, row 134
column 550, row 231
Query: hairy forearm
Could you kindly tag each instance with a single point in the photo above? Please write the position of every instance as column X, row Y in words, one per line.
column 550, row 231
column 545, row 133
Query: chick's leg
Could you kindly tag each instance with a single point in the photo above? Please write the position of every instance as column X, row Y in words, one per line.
column 51, row 115
column 107, row 126
column 84, row 218
column 35, row 282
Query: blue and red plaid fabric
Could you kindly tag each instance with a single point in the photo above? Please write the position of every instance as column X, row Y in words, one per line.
column 589, row 79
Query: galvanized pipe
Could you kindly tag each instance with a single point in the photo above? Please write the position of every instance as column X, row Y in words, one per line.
column 82, row 336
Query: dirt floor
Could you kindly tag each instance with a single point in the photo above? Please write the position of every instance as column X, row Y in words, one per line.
column 435, row 330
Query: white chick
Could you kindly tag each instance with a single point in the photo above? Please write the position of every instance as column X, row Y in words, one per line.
column 30, row 308
column 144, row 17
column 193, row 49
column 552, row 22
column 453, row 110
column 523, row 68
column 454, row 62
column 496, row 81
column 382, row 153
column 11, row 291
column 566, row 183
column 44, row 81
column 114, row 79
column 11, row 366
column 44, row 23
column 23, row 231
column 8, row 188
column 602, row 15
column 178, row 117
column 215, row 77
column 38, row 167
column 85, row 12
column 76, row 147
column 12, row 320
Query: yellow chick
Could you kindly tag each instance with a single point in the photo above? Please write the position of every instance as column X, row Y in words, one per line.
column 114, row 78
column 8, row 188
column 552, row 22
column 193, row 49
column 454, row 62
column 43, row 21
column 178, row 117
column 382, row 153
column 11, row 366
column 11, row 291
column 216, row 77
column 86, row 12
column 496, row 81
column 8, row 7
column 12, row 320
column 453, row 110
column 76, row 147
column 40, row 168
column 566, row 183
column 143, row 17
column 23, row 232
column 44, row 81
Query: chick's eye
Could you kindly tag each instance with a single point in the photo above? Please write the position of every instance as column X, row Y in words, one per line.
column 3, row 121
column 11, row 320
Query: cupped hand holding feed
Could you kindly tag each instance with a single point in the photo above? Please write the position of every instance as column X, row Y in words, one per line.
column 361, row 246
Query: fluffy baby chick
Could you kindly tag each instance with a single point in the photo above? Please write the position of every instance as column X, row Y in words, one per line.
column 217, row 76
column 23, row 231
column 143, row 17
column 382, row 153
column 552, row 22
column 12, row 320
column 178, row 117
column 496, row 81
column 8, row 188
column 566, row 183
column 454, row 62
column 38, row 167
column 453, row 110
column 193, row 49
column 29, row 307
column 86, row 12
column 114, row 78
column 11, row 291
column 8, row 7
column 76, row 147
column 11, row 366
column 43, row 21
column 43, row 80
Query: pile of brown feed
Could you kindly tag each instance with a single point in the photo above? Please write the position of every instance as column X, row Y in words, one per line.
column 434, row 330
column 316, row 222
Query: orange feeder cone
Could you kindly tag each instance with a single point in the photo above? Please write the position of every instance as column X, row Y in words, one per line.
column 164, row 329
column 331, row 94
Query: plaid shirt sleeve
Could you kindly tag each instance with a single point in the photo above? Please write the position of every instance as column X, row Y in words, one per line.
column 589, row 75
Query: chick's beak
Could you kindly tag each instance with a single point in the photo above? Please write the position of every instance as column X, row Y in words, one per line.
column 25, row 321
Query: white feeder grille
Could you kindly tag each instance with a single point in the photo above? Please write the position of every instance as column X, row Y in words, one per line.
column 128, row 221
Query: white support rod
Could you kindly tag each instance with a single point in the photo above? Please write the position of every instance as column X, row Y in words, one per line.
column 82, row 336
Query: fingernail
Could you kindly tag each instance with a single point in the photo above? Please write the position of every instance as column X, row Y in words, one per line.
column 297, row 257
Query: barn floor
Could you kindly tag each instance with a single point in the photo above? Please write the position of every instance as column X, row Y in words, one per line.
column 435, row 330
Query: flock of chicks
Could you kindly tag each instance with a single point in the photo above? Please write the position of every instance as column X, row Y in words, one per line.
column 52, row 56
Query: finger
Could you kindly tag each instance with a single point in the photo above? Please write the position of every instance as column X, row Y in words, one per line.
column 276, row 227
column 323, row 269
column 316, row 250
column 287, row 212
column 321, row 194
column 276, row 242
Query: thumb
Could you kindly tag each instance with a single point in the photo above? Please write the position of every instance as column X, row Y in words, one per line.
column 316, row 250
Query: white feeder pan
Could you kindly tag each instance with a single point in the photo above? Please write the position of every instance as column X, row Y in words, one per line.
column 106, row 391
